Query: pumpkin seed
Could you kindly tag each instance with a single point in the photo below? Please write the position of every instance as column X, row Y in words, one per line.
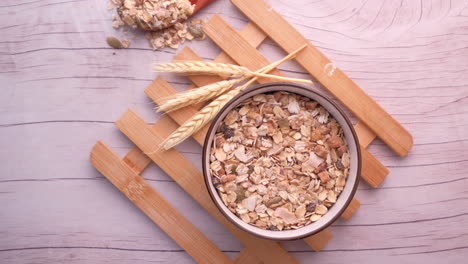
column 196, row 31
column 114, row 42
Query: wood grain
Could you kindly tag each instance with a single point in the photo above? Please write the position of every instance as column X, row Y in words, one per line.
column 246, row 55
column 155, row 206
column 372, row 170
column 318, row 241
column 337, row 82
column 160, row 89
column 245, row 257
column 191, row 180
column 138, row 160
column 351, row 210
column 157, row 91
column 63, row 88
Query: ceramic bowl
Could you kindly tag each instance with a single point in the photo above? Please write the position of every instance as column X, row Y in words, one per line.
column 351, row 183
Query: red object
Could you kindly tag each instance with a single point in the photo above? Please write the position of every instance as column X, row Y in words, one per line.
column 199, row 4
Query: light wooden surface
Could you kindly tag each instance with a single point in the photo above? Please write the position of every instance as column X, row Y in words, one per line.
column 328, row 74
column 244, row 54
column 62, row 90
column 155, row 206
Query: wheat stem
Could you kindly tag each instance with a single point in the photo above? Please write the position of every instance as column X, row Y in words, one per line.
column 281, row 78
column 195, row 96
column 203, row 68
column 206, row 114
column 202, row 118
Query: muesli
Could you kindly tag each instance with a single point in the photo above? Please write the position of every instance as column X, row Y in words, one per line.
column 279, row 161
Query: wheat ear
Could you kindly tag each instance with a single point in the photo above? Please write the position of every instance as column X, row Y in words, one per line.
column 203, row 68
column 276, row 77
column 207, row 113
column 207, row 92
column 195, row 96
column 214, row 68
column 202, row 118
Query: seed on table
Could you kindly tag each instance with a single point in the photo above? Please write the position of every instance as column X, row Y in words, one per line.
column 196, row 31
column 114, row 43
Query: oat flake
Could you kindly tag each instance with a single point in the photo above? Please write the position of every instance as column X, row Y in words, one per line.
column 283, row 163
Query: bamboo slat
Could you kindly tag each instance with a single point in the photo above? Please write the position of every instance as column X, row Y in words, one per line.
column 244, row 54
column 155, row 206
column 336, row 81
column 191, row 180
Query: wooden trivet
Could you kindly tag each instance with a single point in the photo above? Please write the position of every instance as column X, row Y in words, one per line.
column 239, row 48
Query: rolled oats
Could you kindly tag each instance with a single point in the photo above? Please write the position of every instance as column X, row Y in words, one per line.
column 166, row 21
column 279, row 161
column 153, row 14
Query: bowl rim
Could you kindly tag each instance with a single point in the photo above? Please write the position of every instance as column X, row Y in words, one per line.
column 280, row 86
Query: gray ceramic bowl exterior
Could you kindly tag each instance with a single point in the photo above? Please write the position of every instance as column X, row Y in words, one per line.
column 351, row 184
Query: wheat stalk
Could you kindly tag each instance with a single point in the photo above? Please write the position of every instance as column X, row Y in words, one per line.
column 214, row 68
column 206, row 114
column 195, row 96
column 203, row 68
column 202, row 118
column 276, row 77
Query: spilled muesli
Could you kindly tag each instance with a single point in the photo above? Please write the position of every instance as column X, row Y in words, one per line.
column 153, row 14
column 279, row 161
column 165, row 20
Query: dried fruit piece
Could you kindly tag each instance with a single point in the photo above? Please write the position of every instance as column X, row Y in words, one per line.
column 321, row 151
column 240, row 192
column 227, row 132
column 283, row 123
column 272, row 228
column 228, row 178
column 324, row 177
column 341, row 150
column 315, row 135
column 288, row 157
column 335, row 141
column 311, row 207
column 310, row 105
column 273, row 201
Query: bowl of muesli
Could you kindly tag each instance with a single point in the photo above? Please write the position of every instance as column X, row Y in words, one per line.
column 281, row 161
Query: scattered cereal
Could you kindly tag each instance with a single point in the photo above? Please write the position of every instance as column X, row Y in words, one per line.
column 153, row 14
column 165, row 21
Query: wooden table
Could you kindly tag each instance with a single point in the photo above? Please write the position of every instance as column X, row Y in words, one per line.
column 63, row 87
